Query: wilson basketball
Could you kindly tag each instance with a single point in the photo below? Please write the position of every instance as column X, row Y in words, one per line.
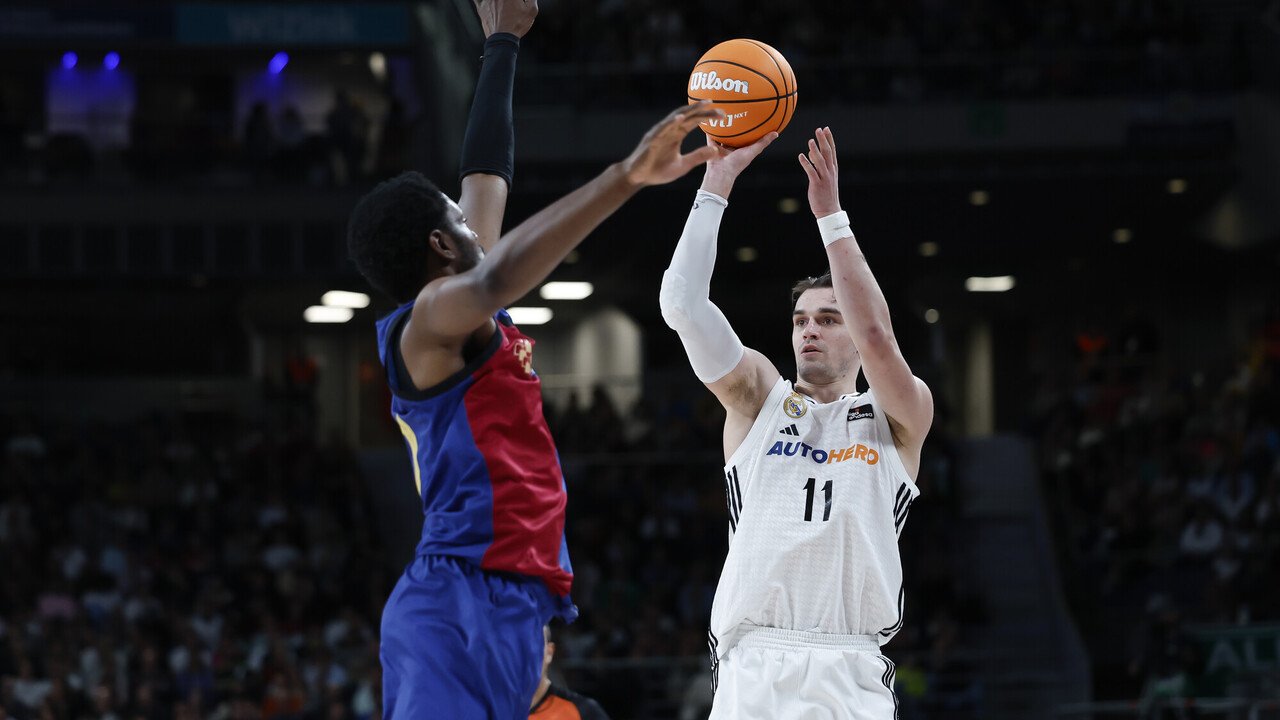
column 752, row 83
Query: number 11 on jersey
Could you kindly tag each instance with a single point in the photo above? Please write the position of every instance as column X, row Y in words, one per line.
column 809, row 488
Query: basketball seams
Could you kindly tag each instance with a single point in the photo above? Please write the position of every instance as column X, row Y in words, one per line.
column 783, row 74
column 739, row 102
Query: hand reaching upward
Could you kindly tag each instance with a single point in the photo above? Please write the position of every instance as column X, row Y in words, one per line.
column 509, row 16
column 824, row 173
column 728, row 164
column 657, row 159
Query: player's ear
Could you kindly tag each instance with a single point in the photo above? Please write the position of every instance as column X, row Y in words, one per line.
column 442, row 245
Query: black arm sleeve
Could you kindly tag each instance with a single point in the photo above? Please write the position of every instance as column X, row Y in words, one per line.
column 489, row 144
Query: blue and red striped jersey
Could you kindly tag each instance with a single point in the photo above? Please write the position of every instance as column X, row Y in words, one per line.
column 484, row 462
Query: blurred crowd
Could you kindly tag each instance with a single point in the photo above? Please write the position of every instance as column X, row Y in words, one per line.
column 159, row 570
column 909, row 51
column 591, row 55
column 213, row 568
column 190, row 135
column 351, row 149
column 1164, row 483
column 659, row 33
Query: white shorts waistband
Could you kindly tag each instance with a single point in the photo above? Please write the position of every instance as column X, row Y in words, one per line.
column 777, row 638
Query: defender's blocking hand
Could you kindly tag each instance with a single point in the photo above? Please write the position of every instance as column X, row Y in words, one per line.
column 657, row 159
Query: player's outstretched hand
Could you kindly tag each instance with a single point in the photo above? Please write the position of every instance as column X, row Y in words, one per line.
column 728, row 163
column 824, row 173
column 509, row 16
column 657, row 159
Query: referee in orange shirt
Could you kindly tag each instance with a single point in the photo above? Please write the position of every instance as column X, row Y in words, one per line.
column 552, row 702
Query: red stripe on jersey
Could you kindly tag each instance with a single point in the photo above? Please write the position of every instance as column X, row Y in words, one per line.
column 505, row 414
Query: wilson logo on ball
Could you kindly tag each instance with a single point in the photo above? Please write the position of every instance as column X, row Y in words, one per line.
column 711, row 81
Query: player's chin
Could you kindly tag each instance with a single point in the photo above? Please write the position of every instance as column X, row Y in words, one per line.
column 812, row 368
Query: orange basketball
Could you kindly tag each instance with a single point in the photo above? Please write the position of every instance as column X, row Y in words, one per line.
column 752, row 83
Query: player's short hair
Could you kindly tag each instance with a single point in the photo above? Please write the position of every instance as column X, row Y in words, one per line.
column 809, row 283
column 388, row 230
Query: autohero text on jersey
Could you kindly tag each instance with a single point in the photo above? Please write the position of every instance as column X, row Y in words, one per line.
column 821, row 457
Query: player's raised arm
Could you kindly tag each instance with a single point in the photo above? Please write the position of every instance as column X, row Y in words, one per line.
column 456, row 304
column 488, row 147
column 740, row 377
column 905, row 398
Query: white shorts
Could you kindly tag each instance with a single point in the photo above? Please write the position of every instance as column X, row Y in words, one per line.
column 787, row 674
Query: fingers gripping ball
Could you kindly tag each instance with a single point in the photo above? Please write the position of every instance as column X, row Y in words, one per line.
column 754, row 86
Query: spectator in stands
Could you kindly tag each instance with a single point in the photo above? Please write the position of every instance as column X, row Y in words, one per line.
column 1234, row 493
column 348, row 135
column 394, row 141
column 294, row 158
column 1164, row 656
column 1203, row 535
column 259, row 140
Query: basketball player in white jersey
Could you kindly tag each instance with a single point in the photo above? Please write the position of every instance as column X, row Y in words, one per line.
column 819, row 477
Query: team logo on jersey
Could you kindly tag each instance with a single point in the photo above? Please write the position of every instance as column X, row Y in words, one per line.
column 524, row 354
column 794, row 405
column 789, row 430
column 861, row 412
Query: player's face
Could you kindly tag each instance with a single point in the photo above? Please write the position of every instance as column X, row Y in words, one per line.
column 466, row 242
column 823, row 346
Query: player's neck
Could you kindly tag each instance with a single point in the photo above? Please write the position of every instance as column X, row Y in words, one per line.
column 827, row 392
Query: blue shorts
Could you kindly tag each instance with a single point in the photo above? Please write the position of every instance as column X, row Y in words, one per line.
column 459, row 642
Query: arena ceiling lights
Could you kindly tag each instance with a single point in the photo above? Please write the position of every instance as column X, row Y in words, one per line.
column 345, row 299
column 566, row 290
column 530, row 315
column 322, row 314
column 998, row 283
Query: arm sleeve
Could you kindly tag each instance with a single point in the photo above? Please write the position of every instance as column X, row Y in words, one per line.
column 489, row 143
column 713, row 347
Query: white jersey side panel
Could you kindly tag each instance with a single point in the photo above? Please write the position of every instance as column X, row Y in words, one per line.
column 817, row 497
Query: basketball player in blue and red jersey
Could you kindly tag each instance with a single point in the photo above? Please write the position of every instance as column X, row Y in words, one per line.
column 462, row 631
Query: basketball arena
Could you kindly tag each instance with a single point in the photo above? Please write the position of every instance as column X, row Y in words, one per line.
column 898, row 360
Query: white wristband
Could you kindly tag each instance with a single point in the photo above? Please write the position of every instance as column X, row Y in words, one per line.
column 833, row 227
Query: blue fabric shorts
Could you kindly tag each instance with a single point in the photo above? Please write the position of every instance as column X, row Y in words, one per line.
column 462, row 643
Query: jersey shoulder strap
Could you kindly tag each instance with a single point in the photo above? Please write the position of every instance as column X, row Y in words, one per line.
column 764, row 420
column 868, row 401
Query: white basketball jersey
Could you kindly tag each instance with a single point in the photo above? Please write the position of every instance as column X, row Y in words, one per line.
column 817, row 497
